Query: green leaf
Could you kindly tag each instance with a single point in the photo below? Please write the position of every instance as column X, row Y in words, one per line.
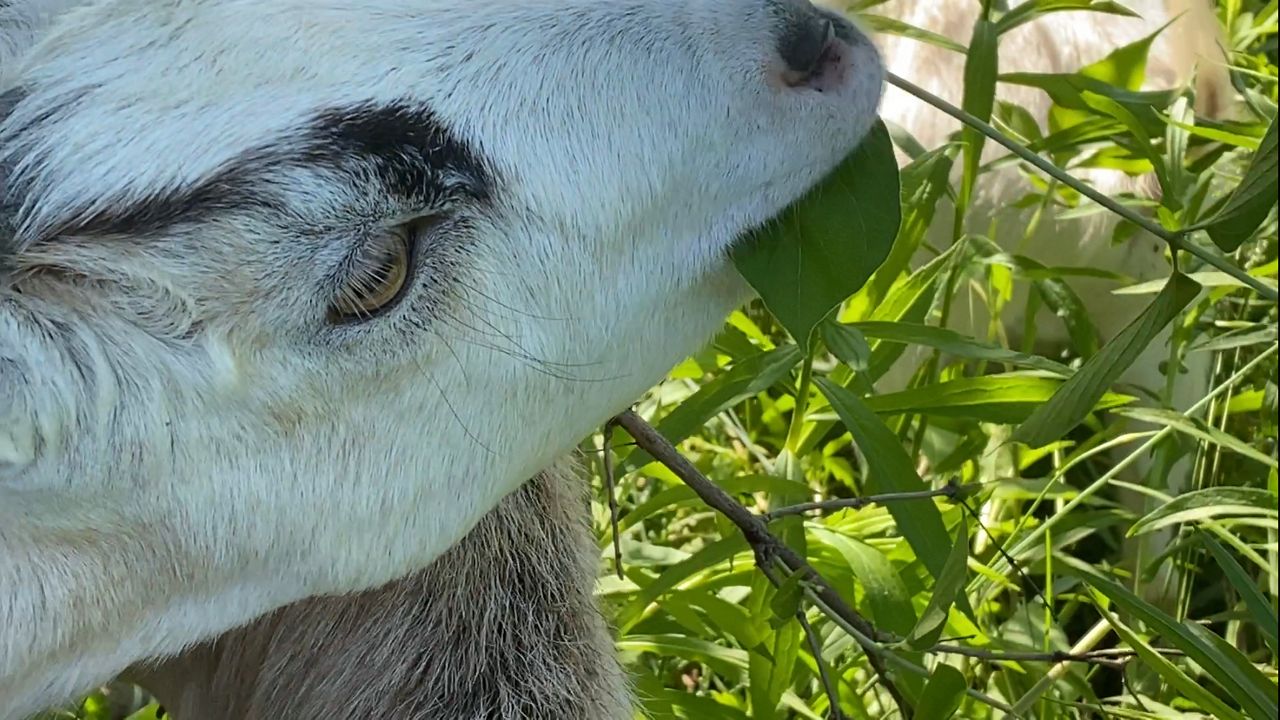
column 847, row 343
column 746, row 378
column 726, row 661
column 825, row 246
column 1126, row 66
column 892, row 26
column 1254, row 600
column 1171, row 673
column 1008, row 399
column 1029, row 11
column 886, row 594
column 1210, row 503
column 980, row 70
column 709, row 556
column 1219, row 660
column 1080, row 394
column 954, row 343
column 942, row 694
column 946, row 592
column 892, row 470
column 786, row 599
column 770, row 673
column 1197, row 429
column 1251, row 201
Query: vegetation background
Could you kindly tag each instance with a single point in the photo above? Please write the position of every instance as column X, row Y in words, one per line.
column 1017, row 590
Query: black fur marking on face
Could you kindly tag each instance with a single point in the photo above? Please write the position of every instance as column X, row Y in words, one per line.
column 410, row 151
column 404, row 149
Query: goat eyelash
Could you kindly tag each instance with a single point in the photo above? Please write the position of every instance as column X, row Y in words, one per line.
column 379, row 276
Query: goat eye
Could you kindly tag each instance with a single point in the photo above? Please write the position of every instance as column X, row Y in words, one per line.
column 377, row 280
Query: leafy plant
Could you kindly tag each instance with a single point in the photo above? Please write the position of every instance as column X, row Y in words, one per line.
column 975, row 518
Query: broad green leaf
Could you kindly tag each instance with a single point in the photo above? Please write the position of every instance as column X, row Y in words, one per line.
column 1080, row 394
column 770, row 673
column 942, row 694
column 1066, row 90
column 847, row 343
column 1259, row 608
column 823, row 248
column 786, row 599
column 1219, row 660
column 924, row 182
column 886, row 594
column 1209, row 503
column 1251, row 201
column 946, row 592
column 1126, row 66
column 892, row 470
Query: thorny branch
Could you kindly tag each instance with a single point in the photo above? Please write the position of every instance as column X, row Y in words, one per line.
column 772, row 555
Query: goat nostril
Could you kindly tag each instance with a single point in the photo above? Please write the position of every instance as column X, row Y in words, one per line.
column 805, row 46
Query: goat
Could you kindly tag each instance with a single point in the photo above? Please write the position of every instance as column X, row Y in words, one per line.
column 296, row 293
column 364, row 653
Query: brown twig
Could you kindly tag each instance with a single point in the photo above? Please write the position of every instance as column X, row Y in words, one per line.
column 767, row 547
column 606, row 456
column 824, row 673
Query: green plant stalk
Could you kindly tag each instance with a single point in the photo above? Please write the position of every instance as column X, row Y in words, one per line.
column 804, row 388
column 1175, row 239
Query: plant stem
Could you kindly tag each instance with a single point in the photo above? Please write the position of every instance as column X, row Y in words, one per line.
column 795, row 433
column 1175, row 239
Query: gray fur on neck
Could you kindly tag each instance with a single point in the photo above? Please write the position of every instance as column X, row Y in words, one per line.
column 501, row 627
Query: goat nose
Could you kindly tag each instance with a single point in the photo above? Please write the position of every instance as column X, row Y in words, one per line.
column 804, row 40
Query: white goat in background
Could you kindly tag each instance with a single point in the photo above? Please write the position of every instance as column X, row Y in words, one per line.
column 295, row 293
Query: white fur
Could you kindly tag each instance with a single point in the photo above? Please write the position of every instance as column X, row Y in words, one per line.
column 187, row 445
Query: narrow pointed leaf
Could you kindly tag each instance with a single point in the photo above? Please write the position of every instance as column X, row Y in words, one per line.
column 1078, row 395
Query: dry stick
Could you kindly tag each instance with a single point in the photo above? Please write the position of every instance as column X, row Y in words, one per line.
column 1175, row 238
column 607, row 462
column 815, row 647
column 766, row 546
